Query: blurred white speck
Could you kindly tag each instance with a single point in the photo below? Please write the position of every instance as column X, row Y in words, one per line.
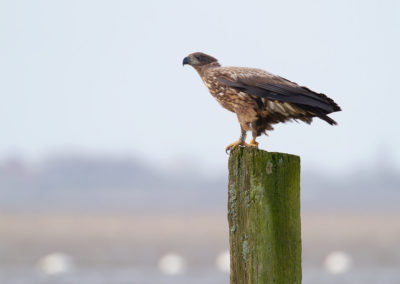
column 223, row 261
column 172, row 264
column 337, row 262
column 55, row 263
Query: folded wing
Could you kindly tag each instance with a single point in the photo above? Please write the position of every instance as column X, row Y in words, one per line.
column 276, row 88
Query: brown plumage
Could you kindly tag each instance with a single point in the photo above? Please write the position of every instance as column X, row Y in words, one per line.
column 259, row 98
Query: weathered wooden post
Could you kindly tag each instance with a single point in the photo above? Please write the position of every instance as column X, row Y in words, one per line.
column 264, row 217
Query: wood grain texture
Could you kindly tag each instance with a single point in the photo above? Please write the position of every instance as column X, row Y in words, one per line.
column 264, row 217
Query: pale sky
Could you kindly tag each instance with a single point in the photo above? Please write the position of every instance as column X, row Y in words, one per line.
column 107, row 77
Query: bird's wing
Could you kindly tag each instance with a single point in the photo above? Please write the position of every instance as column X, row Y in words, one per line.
column 260, row 83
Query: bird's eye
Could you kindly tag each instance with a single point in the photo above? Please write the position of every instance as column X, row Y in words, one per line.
column 198, row 57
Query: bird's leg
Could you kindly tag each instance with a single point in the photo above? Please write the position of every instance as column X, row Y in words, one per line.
column 241, row 141
column 253, row 142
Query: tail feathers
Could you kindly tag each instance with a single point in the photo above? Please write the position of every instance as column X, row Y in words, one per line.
column 328, row 119
column 319, row 113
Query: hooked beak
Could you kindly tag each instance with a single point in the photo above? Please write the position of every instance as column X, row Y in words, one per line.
column 186, row 60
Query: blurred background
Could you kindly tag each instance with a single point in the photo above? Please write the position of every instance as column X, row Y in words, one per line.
column 112, row 161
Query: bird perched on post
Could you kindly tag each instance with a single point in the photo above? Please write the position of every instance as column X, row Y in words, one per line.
column 259, row 98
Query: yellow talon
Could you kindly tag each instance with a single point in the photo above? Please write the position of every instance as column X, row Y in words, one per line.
column 232, row 146
column 253, row 143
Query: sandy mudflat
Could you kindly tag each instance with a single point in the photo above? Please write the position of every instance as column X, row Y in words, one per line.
column 110, row 241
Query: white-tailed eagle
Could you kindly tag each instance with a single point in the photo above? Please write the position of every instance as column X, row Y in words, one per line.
column 259, row 98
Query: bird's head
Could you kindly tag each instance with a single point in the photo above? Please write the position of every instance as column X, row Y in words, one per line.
column 199, row 59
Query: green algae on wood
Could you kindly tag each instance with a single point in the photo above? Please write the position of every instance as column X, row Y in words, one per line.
column 264, row 217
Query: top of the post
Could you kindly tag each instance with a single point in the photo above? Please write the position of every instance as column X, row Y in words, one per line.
column 247, row 152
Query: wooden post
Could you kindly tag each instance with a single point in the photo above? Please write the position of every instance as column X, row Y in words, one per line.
column 264, row 217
